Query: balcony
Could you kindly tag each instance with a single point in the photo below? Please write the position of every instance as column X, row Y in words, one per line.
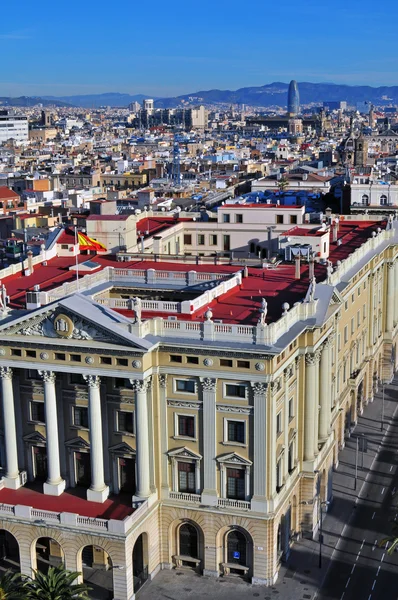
column 184, row 497
column 235, row 504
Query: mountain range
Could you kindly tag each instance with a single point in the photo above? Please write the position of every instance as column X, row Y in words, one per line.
column 272, row 94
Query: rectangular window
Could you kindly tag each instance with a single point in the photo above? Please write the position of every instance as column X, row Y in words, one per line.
column 213, row 239
column 121, row 382
column 37, row 412
column 358, row 318
column 60, row 356
column 175, row 358
column 31, row 353
column 192, row 360
column 75, row 357
column 279, row 482
column 226, row 362
column 80, row 416
column 186, row 477
column 226, row 243
column 364, row 312
column 226, row 218
column 235, row 390
column 345, row 334
column 279, row 219
column 33, row 374
column 201, row 239
column 77, row 379
column 105, row 360
column 16, row 352
column 185, row 385
column 243, row 364
column 187, row 239
column 352, row 325
column 122, row 362
column 279, row 423
column 293, row 219
column 339, row 342
column 236, row 484
column 125, row 422
column 186, row 426
column 291, row 409
column 236, row 432
column 239, row 218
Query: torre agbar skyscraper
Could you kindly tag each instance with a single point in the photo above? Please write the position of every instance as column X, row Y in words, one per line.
column 293, row 99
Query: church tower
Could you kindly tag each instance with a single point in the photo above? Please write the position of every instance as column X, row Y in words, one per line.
column 361, row 151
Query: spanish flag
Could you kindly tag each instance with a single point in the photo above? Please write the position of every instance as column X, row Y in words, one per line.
column 87, row 243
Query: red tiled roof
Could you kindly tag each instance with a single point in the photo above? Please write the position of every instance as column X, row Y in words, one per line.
column 6, row 193
column 71, row 501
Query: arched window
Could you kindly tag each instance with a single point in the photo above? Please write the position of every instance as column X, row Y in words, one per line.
column 188, row 540
column 383, row 200
column 236, row 548
column 365, row 199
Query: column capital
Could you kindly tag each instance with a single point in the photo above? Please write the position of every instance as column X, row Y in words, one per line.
column 5, row 372
column 93, row 381
column 328, row 343
column 259, row 388
column 141, row 385
column 47, row 376
column 311, row 358
column 163, row 380
column 208, row 384
column 390, row 264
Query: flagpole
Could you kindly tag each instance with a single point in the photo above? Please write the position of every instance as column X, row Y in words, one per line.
column 77, row 259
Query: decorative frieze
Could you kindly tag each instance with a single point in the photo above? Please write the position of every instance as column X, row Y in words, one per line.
column 228, row 408
column 184, row 404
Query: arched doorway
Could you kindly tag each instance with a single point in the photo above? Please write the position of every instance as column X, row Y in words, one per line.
column 140, row 561
column 9, row 552
column 97, row 569
column 48, row 554
column 188, row 541
column 236, row 551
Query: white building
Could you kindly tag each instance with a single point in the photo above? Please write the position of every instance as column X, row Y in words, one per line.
column 13, row 126
column 366, row 192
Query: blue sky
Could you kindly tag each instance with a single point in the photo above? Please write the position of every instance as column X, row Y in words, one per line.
column 169, row 48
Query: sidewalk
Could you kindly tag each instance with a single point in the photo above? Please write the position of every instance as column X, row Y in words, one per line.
column 301, row 577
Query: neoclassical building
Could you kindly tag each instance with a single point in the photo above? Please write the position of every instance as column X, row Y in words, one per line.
column 158, row 416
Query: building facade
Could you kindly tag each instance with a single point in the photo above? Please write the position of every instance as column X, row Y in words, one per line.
column 223, row 432
column 13, row 127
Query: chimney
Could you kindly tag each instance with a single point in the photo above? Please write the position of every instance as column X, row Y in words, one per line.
column 311, row 271
column 335, row 231
column 297, row 271
column 29, row 270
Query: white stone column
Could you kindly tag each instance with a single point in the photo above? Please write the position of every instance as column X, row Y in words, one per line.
column 286, row 376
column 325, row 389
column 390, row 297
column 273, row 389
column 164, row 462
column 11, row 479
column 311, row 403
column 209, row 393
column 55, row 485
column 141, row 387
column 396, row 292
column 316, row 420
column 371, row 312
column 260, row 469
column 98, row 491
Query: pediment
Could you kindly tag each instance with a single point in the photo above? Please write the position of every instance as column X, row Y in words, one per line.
column 78, row 443
column 122, row 448
column 76, row 318
column 233, row 458
column 336, row 298
column 184, row 453
column 34, row 438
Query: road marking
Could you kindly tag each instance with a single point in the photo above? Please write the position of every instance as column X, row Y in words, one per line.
column 382, row 558
column 346, row 585
column 373, row 516
column 357, row 558
column 391, row 468
column 363, row 541
column 373, row 586
column 342, row 596
column 374, row 546
column 387, row 545
column 378, row 571
column 352, row 570
column 382, row 491
column 370, row 595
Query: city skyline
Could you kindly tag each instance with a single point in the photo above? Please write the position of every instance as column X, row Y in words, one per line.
column 182, row 50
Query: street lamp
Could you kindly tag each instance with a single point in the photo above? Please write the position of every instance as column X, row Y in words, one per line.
column 321, row 503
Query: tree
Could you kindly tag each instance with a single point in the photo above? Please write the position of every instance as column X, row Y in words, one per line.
column 393, row 538
column 283, row 184
column 13, row 586
column 57, row 584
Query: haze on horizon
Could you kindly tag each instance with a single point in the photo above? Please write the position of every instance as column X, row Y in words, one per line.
column 171, row 49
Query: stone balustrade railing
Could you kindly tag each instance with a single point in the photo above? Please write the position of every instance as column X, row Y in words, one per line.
column 39, row 517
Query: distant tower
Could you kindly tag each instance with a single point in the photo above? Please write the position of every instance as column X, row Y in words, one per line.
column 293, row 99
column 149, row 105
column 372, row 118
column 175, row 173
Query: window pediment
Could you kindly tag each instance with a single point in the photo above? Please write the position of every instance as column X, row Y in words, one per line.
column 234, row 459
column 184, row 453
